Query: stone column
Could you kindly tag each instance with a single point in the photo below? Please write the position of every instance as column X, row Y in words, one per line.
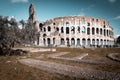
column 51, row 40
column 75, row 41
column 85, row 30
column 106, row 32
column 65, row 41
column 81, row 41
column 91, row 41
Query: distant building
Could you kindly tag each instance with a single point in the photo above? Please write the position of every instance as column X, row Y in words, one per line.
column 73, row 31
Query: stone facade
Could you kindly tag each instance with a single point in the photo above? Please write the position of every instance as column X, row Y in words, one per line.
column 75, row 31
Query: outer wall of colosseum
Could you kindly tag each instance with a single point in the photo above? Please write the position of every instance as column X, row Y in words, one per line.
column 76, row 31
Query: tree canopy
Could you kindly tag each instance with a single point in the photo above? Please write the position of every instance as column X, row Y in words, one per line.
column 11, row 34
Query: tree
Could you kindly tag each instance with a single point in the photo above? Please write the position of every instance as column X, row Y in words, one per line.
column 11, row 34
column 22, row 22
column 8, row 35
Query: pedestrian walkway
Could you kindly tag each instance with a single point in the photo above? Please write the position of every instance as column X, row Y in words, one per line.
column 72, row 71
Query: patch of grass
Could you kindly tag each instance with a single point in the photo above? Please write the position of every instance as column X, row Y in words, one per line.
column 98, row 51
column 112, row 68
column 98, row 54
column 11, row 69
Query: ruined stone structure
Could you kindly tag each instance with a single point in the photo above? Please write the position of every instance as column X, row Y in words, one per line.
column 32, row 14
column 33, row 17
column 75, row 31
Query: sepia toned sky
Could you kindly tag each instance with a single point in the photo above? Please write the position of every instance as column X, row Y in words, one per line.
column 48, row 9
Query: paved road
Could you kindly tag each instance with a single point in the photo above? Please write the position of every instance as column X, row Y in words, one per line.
column 73, row 71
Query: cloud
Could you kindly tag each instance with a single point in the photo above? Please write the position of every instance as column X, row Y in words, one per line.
column 18, row 1
column 117, row 17
column 112, row 1
column 82, row 10
column 82, row 13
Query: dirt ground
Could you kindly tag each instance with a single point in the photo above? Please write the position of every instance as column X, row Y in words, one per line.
column 12, row 69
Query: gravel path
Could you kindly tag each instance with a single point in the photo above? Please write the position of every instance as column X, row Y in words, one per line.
column 57, row 54
column 113, row 56
column 77, row 59
column 72, row 71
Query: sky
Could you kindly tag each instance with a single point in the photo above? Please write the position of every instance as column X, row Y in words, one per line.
column 48, row 9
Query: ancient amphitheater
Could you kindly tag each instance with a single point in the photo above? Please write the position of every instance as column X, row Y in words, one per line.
column 73, row 31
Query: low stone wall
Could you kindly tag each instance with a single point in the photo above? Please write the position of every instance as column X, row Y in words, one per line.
column 37, row 49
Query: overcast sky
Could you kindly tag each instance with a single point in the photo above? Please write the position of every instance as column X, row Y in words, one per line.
column 48, row 9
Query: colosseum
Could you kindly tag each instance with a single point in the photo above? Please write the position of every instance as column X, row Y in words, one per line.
column 75, row 31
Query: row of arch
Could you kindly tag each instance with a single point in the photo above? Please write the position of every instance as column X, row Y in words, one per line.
column 86, row 41
column 78, row 41
column 88, row 30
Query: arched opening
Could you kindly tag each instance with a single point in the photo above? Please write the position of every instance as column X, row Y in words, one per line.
column 83, row 41
column 48, row 41
column 44, row 29
column 67, row 30
column 54, row 24
column 107, row 42
column 107, row 33
column 93, row 31
column 41, row 26
column 44, row 35
column 72, row 41
column 78, row 29
column 57, row 29
column 83, row 29
column 93, row 42
column 62, row 41
column 104, row 42
column 88, row 42
column 88, row 31
column 97, row 42
column 53, row 40
column 96, row 20
column 104, row 26
column 68, row 44
column 88, row 24
column 97, row 30
column 49, row 28
column 101, row 42
column 62, row 30
column 44, row 41
column 101, row 31
column 104, row 32
column 78, row 42
column 73, row 30
column 67, row 24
